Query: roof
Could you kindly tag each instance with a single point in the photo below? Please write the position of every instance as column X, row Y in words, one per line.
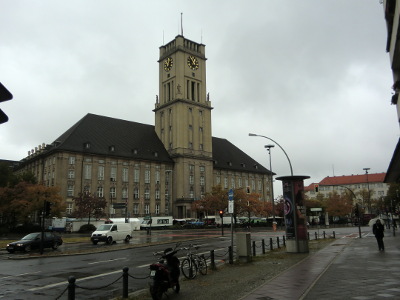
column 140, row 141
column 393, row 172
column 113, row 137
column 229, row 157
column 353, row 179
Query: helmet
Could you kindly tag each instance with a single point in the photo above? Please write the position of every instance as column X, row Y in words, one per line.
column 168, row 251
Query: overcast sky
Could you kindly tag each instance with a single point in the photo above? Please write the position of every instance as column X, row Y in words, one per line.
column 312, row 75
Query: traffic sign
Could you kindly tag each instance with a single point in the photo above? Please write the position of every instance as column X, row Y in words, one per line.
column 230, row 195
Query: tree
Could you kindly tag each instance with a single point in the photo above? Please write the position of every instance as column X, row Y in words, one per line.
column 212, row 202
column 339, row 205
column 88, row 206
column 24, row 202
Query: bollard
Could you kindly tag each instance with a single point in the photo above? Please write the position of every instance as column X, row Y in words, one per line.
column 308, row 235
column 277, row 242
column 334, row 235
column 212, row 258
column 271, row 246
column 324, row 234
column 230, row 255
column 125, row 283
column 316, row 235
column 263, row 246
column 284, row 241
column 254, row 248
column 71, row 288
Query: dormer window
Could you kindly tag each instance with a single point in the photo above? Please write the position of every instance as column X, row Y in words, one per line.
column 243, row 165
column 155, row 154
column 111, row 148
column 229, row 163
column 86, row 145
column 134, row 151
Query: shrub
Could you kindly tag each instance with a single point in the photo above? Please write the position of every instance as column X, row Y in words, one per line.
column 87, row 228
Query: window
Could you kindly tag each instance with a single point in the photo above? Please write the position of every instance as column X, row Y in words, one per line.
column 88, row 172
column 71, row 160
column 218, row 180
column 191, row 179
column 100, row 192
column 136, row 209
column 147, row 175
column 232, row 182
column 70, row 191
column 240, row 182
column 100, row 173
column 69, row 208
column 157, row 194
column 225, row 182
column 191, row 193
column 136, row 173
column 113, row 193
column 158, row 174
column 259, row 185
column 191, row 169
column 202, row 169
column 125, row 174
column 135, row 193
column 147, row 209
column 157, row 209
column 202, row 180
column 113, row 174
column 125, row 193
column 147, row 194
column 71, row 174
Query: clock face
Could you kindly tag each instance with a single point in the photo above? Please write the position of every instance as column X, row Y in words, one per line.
column 168, row 64
column 193, row 63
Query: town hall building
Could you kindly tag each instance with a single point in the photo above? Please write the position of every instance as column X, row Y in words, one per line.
column 142, row 169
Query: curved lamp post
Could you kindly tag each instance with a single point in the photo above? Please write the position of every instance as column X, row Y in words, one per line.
column 290, row 164
column 268, row 147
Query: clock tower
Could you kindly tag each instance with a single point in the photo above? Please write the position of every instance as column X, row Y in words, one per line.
column 183, row 120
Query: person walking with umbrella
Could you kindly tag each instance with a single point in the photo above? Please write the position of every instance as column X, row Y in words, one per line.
column 378, row 230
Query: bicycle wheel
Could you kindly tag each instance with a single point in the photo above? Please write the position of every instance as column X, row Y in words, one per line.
column 189, row 268
column 202, row 263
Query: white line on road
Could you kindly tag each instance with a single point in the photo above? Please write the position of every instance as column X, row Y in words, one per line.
column 23, row 274
column 108, row 260
column 78, row 280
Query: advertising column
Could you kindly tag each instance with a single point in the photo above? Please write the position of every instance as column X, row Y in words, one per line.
column 295, row 213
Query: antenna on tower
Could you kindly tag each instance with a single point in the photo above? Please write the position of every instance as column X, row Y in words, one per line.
column 181, row 24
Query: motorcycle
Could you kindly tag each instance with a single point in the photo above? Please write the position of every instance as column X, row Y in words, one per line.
column 165, row 274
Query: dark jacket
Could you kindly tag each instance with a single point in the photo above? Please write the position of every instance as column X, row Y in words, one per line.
column 378, row 230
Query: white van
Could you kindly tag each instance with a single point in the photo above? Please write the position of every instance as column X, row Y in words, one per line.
column 110, row 233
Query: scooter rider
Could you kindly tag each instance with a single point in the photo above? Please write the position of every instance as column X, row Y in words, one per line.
column 172, row 264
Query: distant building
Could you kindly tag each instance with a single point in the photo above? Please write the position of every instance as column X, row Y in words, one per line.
column 353, row 183
column 392, row 16
column 143, row 169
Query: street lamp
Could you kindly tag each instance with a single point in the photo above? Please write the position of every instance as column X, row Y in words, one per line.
column 290, row 164
column 369, row 196
column 268, row 147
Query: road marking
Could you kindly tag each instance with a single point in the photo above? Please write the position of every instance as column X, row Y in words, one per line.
column 78, row 280
column 108, row 260
column 23, row 274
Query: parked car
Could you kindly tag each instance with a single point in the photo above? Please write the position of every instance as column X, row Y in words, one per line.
column 32, row 241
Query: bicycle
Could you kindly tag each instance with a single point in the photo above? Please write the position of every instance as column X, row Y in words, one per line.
column 193, row 263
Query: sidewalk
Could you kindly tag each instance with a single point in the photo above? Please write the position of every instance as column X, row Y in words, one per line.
column 349, row 268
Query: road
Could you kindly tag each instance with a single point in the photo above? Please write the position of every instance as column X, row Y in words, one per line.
column 47, row 277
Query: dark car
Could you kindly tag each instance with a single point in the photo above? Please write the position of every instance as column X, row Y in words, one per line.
column 32, row 241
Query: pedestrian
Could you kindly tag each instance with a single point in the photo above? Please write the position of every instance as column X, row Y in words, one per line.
column 378, row 230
